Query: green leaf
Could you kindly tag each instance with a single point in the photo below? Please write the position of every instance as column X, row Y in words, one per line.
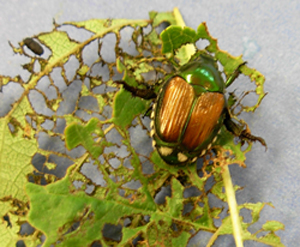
column 16, row 151
column 15, row 154
column 98, row 26
column 255, row 209
column 225, row 142
column 174, row 37
column 182, row 239
column 217, row 190
column 176, row 200
column 127, row 107
column 66, row 205
column 67, row 208
column 206, row 221
column 54, row 41
column 77, row 134
column 273, row 226
column 272, row 240
column 160, row 17
column 112, row 183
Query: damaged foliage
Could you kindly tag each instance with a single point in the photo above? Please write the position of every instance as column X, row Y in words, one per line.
column 78, row 143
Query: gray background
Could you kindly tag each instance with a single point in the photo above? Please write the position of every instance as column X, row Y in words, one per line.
column 266, row 32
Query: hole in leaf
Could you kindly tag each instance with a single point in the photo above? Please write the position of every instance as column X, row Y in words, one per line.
column 58, row 79
column 192, row 191
column 96, row 244
column 147, row 29
column 6, row 218
column 45, row 86
column 60, row 126
column 88, row 103
column 126, row 43
column 147, row 167
column 112, row 232
column 108, row 48
column 26, row 229
column 10, row 94
column 92, row 172
column 100, row 72
column 202, row 44
column 246, row 213
column 133, row 184
column 47, row 124
column 76, row 34
column 71, row 66
column 70, row 97
column 138, row 239
column 90, row 53
column 187, row 208
column 160, row 197
column 115, row 163
column 20, row 243
column 161, row 27
column 140, row 141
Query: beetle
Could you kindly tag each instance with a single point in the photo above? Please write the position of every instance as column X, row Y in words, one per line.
column 189, row 111
column 34, row 46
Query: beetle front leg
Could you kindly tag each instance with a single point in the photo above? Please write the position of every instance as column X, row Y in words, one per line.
column 241, row 130
column 147, row 113
column 234, row 75
column 142, row 93
column 246, row 134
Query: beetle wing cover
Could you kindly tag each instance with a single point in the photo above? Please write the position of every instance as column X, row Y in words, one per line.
column 204, row 118
column 177, row 102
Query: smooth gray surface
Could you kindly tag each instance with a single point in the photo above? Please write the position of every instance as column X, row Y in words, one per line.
column 267, row 32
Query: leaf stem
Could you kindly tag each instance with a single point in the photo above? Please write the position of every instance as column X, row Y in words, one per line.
column 213, row 238
column 234, row 213
column 178, row 17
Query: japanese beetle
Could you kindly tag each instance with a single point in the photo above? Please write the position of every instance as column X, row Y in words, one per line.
column 190, row 110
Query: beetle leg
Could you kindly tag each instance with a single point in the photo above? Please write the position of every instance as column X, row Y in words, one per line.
column 148, row 111
column 234, row 75
column 241, row 130
column 248, row 136
column 142, row 93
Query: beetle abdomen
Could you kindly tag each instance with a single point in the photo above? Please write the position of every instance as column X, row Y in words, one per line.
column 175, row 108
column 204, row 118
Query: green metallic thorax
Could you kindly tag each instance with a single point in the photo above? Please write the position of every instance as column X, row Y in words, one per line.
column 203, row 75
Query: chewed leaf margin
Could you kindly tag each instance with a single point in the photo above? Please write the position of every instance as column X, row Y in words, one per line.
column 172, row 42
column 113, row 201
